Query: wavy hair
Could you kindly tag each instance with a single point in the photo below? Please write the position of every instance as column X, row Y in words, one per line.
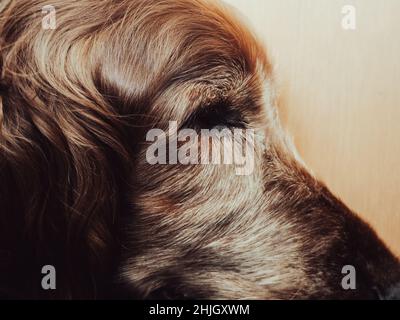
column 68, row 101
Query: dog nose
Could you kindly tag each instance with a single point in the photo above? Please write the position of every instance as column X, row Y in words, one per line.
column 393, row 293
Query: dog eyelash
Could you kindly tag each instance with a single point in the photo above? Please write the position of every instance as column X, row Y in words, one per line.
column 215, row 116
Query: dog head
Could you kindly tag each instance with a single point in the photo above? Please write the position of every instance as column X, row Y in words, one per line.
column 78, row 103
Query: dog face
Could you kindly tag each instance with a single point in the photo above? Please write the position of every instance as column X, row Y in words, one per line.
column 111, row 72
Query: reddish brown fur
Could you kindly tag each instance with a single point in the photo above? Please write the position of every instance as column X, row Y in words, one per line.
column 75, row 104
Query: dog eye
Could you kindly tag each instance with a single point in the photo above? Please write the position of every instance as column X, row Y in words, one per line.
column 216, row 115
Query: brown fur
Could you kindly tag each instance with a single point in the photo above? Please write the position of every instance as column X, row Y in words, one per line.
column 76, row 190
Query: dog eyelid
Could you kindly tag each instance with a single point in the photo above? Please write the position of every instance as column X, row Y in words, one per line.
column 215, row 116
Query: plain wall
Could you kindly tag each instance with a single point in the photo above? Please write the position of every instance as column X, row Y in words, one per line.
column 340, row 96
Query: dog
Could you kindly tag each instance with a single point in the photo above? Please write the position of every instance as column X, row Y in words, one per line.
column 77, row 193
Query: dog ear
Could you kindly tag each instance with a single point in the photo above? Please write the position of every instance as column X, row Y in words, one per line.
column 61, row 160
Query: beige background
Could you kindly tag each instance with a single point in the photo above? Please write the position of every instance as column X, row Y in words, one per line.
column 340, row 96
